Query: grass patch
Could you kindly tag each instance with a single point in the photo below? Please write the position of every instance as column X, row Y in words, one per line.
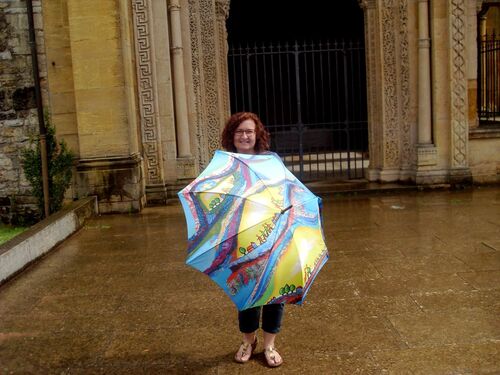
column 7, row 232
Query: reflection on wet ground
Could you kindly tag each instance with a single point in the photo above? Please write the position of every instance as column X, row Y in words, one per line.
column 412, row 287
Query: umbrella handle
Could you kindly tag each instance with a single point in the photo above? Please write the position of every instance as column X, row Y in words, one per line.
column 285, row 209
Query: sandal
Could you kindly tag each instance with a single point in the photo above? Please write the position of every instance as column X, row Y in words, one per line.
column 245, row 349
column 270, row 354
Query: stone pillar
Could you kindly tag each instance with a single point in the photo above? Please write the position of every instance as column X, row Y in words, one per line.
column 372, row 57
column 208, row 71
column 424, row 75
column 385, row 88
column 180, row 99
column 109, row 165
column 426, row 152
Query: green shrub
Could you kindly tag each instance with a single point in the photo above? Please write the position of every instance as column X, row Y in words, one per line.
column 60, row 165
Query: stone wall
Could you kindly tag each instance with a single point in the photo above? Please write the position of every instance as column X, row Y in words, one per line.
column 18, row 114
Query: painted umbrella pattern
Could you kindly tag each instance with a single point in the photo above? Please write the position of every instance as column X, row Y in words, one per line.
column 254, row 229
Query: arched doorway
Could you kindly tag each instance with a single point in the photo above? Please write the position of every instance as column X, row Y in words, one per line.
column 302, row 69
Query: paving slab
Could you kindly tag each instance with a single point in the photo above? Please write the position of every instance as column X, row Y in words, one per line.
column 412, row 287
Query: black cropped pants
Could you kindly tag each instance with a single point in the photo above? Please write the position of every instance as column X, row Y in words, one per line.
column 271, row 318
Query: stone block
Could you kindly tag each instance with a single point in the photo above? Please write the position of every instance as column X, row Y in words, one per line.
column 59, row 57
column 61, row 79
column 65, row 123
column 117, row 183
column 62, row 103
column 86, row 74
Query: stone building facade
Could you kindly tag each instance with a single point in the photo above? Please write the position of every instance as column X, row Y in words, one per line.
column 139, row 90
column 18, row 113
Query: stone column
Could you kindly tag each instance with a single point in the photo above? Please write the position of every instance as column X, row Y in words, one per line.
column 180, row 98
column 426, row 151
column 424, row 75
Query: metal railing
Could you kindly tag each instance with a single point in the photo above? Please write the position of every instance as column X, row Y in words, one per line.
column 489, row 79
column 312, row 98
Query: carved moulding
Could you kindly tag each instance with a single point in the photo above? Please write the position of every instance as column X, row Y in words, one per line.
column 373, row 80
column 196, row 73
column 205, row 70
column 407, row 158
column 222, row 13
column 391, row 132
column 148, row 105
column 458, row 85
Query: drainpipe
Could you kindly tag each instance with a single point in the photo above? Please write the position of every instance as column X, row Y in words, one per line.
column 39, row 106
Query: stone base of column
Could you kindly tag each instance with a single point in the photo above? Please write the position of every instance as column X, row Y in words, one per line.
column 426, row 155
column 460, row 176
column 383, row 175
column 431, row 177
column 165, row 194
column 425, row 168
column 116, row 181
column 372, row 174
column 156, row 194
column 186, row 168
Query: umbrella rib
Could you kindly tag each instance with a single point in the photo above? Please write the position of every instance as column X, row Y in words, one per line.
column 250, row 168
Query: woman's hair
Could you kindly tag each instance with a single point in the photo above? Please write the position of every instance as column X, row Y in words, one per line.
column 262, row 137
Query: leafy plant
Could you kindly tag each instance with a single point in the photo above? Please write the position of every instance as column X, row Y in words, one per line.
column 60, row 164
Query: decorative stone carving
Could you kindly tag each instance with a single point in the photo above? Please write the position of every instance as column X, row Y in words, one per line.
column 210, row 83
column 222, row 12
column 388, row 85
column 204, row 52
column 404, row 78
column 222, row 9
column 196, row 58
column 458, row 86
column 391, row 131
column 147, row 92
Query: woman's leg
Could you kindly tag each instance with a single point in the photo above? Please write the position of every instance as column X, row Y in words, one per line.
column 249, row 320
column 248, row 323
column 272, row 316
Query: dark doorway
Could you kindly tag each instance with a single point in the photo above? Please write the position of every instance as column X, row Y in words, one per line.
column 302, row 70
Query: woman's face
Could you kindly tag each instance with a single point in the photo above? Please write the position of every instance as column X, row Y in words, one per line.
column 245, row 137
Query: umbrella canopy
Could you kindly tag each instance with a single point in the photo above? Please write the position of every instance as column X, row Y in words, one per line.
column 254, row 229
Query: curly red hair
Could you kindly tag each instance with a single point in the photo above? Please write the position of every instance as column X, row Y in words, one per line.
column 262, row 136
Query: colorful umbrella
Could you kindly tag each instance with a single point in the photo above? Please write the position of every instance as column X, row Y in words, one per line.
column 254, row 228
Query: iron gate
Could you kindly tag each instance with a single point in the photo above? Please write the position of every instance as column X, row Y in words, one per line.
column 312, row 99
column 489, row 79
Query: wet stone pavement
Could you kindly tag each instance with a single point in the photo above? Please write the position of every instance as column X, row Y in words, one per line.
column 412, row 287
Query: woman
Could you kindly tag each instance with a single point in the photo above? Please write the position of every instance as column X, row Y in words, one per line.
column 244, row 133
